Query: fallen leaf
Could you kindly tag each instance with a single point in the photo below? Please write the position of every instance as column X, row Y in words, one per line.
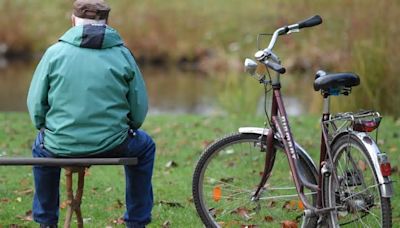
column 268, row 218
column 361, row 165
column 170, row 204
column 25, row 182
column 289, row 224
column 118, row 221
column 27, row 191
column 271, row 204
column 27, row 217
column 290, row 205
column 14, row 226
column 86, row 220
column 242, row 212
column 217, row 193
column 227, row 180
column 171, row 164
column 119, row 204
column 108, row 189
column 87, row 172
column 231, row 164
column 19, row 199
column 166, row 224
column 300, row 205
column 64, row 204
column 5, row 200
column 206, row 143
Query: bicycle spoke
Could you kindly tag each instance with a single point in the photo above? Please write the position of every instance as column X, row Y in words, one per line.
column 230, row 177
column 357, row 190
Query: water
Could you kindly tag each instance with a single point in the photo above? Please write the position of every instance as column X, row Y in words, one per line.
column 170, row 90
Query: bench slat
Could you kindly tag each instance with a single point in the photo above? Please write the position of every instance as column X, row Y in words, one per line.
column 21, row 161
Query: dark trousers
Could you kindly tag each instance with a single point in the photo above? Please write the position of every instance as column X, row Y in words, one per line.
column 138, row 195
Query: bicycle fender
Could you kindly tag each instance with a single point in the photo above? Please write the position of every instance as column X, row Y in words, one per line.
column 385, row 183
column 301, row 152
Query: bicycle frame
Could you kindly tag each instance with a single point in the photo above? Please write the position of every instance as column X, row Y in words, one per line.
column 280, row 125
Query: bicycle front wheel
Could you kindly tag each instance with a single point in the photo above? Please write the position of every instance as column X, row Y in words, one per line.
column 227, row 176
column 355, row 192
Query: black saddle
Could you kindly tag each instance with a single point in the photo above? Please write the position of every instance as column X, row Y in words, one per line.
column 335, row 81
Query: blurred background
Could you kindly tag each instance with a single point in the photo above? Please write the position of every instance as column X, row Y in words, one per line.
column 191, row 52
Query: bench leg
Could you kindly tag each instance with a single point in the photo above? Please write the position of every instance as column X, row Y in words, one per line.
column 74, row 202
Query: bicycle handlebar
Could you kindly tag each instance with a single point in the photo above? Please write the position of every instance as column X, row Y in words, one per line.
column 275, row 66
column 267, row 53
column 310, row 22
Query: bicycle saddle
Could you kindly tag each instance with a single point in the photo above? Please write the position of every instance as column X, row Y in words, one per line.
column 328, row 81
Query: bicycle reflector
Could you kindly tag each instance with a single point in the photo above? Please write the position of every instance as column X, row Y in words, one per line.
column 386, row 169
column 367, row 125
column 384, row 164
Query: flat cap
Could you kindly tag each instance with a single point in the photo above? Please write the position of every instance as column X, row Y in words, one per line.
column 91, row 9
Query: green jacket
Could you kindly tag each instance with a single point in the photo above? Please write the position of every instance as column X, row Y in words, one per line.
column 86, row 92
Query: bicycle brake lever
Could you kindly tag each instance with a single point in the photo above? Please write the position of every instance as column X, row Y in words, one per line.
column 293, row 31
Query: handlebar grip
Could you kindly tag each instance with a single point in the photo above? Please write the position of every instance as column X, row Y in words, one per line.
column 275, row 66
column 312, row 21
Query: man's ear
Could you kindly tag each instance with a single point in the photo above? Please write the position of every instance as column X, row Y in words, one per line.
column 73, row 20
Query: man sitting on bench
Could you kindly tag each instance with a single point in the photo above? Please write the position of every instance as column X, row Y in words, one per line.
column 88, row 99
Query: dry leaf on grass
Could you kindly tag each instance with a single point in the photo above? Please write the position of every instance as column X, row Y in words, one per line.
column 289, row 224
column 166, row 224
column 242, row 212
column 27, row 217
column 268, row 218
column 361, row 165
column 171, row 164
column 118, row 221
column 27, row 191
column 170, row 204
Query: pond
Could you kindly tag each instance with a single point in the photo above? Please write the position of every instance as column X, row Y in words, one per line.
column 170, row 90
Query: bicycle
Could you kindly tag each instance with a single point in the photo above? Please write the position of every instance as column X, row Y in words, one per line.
column 254, row 177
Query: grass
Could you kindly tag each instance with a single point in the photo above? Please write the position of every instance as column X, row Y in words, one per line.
column 179, row 139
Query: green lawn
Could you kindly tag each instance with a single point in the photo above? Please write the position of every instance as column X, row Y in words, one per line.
column 179, row 139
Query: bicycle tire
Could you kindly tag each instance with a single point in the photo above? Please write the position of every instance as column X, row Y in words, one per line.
column 357, row 207
column 239, row 169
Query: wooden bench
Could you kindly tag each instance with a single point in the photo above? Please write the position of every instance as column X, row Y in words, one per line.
column 71, row 166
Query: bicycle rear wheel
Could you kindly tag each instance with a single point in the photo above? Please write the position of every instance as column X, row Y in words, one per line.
column 227, row 176
column 356, row 192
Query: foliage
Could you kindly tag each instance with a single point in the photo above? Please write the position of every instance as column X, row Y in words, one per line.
column 179, row 139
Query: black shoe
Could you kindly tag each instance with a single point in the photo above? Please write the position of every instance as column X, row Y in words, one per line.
column 47, row 226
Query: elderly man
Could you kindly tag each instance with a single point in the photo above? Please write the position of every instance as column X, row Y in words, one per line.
column 88, row 99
